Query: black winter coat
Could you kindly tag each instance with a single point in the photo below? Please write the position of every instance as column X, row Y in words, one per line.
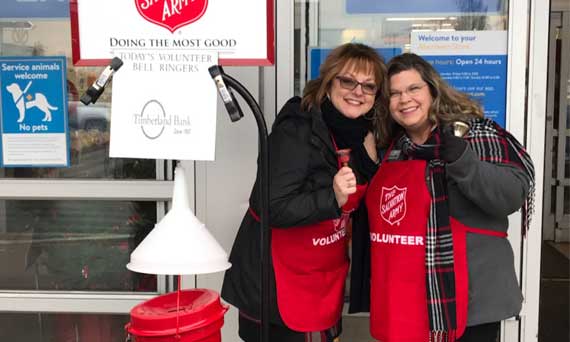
column 302, row 165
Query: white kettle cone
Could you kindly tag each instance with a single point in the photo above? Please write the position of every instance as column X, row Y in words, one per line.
column 179, row 243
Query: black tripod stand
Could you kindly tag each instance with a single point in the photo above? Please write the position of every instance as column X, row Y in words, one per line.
column 236, row 113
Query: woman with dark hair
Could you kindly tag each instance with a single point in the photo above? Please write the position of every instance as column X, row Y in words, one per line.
column 311, row 198
column 438, row 208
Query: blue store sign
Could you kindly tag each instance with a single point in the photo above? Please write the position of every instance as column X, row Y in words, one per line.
column 34, row 9
column 423, row 6
column 473, row 62
column 317, row 56
column 482, row 77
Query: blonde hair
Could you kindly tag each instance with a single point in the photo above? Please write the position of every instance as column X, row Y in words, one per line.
column 448, row 104
column 359, row 57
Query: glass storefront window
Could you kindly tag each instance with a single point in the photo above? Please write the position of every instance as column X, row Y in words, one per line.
column 383, row 25
column 60, row 327
column 89, row 126
column 89, row 159
column 71, row 248
column 73, row 245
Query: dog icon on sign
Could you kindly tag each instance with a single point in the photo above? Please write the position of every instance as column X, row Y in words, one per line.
column 24, row 101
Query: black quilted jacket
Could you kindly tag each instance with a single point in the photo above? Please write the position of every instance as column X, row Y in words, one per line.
column 302, row 164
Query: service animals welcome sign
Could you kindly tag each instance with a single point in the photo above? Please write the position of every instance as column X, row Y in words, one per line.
column 240, row 31
column 33, row 112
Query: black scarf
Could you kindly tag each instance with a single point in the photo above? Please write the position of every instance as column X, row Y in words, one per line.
column 350, row 133
column 347, row 133
column 492, row 144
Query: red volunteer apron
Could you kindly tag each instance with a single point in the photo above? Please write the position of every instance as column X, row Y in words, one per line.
column 398, row 203
column 311, row 264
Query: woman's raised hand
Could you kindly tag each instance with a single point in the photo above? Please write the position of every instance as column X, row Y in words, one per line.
column 344, row 184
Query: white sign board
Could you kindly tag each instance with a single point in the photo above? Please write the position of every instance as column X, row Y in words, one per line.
column 242, row 32
column 461, row 43
column 164, row 105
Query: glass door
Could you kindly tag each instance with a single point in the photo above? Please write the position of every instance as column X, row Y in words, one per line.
column 555, row 262
column 503, row 31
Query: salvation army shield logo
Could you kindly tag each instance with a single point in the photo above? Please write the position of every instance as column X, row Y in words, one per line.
column 393, row 204
column 171, row 14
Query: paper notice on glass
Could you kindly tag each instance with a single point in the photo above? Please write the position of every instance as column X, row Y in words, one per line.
column 34, row 127
column 164, row 105
column 473, row 62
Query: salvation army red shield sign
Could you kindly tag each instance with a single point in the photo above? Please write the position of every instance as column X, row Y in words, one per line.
column 136, row 25
column 171, row 14
column 393, row 204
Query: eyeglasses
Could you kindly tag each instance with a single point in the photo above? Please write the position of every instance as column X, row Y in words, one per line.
column 351, row 84
column 412, row 91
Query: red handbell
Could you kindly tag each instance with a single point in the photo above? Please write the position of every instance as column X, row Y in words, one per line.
column 343, row 156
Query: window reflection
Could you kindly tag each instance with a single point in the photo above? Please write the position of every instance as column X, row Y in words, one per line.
column 89, row 126
column 383, row 25
column 73, row 245
column 62, row 327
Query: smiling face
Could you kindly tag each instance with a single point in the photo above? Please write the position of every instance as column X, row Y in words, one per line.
column 410, row 101
column 358, row 101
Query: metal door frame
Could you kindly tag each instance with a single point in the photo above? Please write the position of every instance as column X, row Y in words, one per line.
column 526, row 107
column 556, row 223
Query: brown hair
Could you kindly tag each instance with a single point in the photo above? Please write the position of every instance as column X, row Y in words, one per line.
column 362, row 58
column 448, row 104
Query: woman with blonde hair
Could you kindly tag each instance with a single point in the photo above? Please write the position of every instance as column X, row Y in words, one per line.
column 312, row 195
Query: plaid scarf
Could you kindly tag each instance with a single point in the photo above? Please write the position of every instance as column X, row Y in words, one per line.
column 492, row 144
